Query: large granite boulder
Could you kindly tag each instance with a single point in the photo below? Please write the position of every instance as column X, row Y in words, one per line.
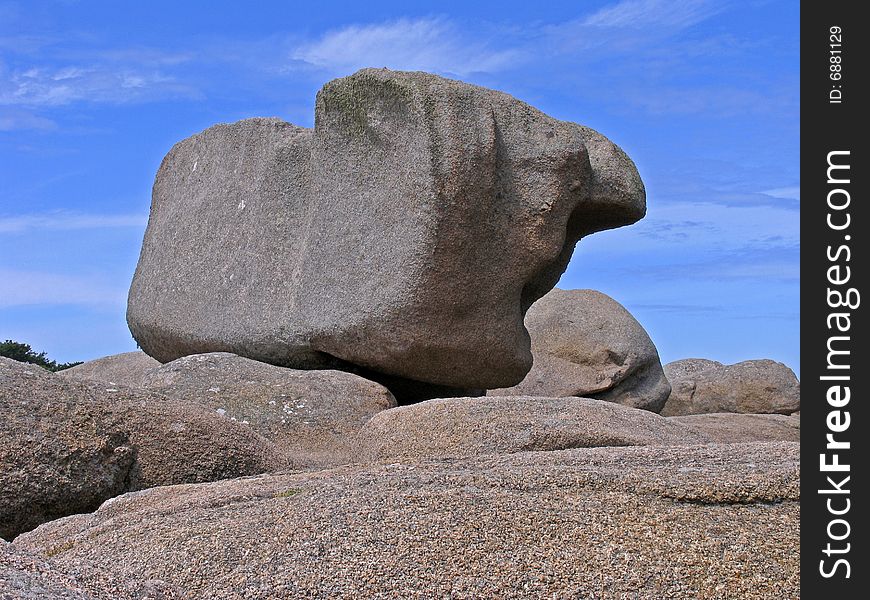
column 700, row 386
column 587, row 344
column 126, row 368
column 715, row 521
column 407, row 233
column 730, row 428
column 312, row 416
column 453, row 427
column 69, row 445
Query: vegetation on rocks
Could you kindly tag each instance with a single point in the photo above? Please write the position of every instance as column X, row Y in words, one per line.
column 24, row 353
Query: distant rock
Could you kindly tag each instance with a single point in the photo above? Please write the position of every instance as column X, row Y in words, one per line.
column 508, row 424
column 312, row 416
column 715, row 521
column 69, row 445
column 729, row 428
column 587, row 344
column 754, row 386
column 118, row 369
column 407, row 233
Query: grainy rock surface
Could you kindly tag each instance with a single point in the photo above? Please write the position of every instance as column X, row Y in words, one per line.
column 754, row 386
column 127, row 369
column 502, row 425
column 312, row 416
column 716, row 521
column 407, row 233
column 25, row 576
column 587, row 344
column 729, row 428
column 69, row 445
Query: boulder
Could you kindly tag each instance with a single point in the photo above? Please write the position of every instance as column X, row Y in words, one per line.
column 753, row 386
column 312, row 416
column 69, row 445
column 407, row 233
column 507, row 424
column 729, row 428
column 715, row 521
column 587, row 344
column 118, row 369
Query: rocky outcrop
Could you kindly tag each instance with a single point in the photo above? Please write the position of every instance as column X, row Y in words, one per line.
column 716, row 521
column 729, row 428
column 69, row 445
column 312, row 416
column 407, row 233
column 754, row 386
column 503, row 425
column 127, row 369
column 587, row 344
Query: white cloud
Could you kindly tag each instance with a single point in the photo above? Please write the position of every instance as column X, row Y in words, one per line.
column 705, row 228
column 43, row 86
column 24, row 288
column 790, row 193
column 18, row 120
column 429, row 44
column 63, row 221
column 638, row 14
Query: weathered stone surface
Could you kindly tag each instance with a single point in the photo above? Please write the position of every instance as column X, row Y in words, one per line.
column 729, row 428
column 407, row 233
column 507, row 424
column 312, row 416
column 26, row 576
column 69, row 445
column 753, row 386
column 118, row 369
column 715, row 521
column 587, row 344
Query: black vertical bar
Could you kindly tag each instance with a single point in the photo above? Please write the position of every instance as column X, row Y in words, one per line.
column 834, row 371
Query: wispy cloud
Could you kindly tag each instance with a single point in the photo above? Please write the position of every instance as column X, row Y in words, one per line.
column 430, row 44
column 57, row 86
column 12, row 120
column 679, row 308
column 789, row 193
column 63, row 221
column 25, row 288
column 709, row 100
column 651, row 13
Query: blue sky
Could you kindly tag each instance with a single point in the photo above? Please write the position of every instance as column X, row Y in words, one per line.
column 703, row 95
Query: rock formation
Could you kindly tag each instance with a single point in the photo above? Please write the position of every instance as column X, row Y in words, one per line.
column 406, row 234
column 455, row 427
column 126, row 368
column 69, row 445
column 587, row 344
column 716, row 521
column 702, row 386
column 310, row 416
column 730, row 428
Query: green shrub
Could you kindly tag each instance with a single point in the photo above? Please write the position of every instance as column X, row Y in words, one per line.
column 24, row 353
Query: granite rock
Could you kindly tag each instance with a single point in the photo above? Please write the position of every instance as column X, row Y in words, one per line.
column 69, row 445
column 586, row 344
column 752, row 386
column 406, row 233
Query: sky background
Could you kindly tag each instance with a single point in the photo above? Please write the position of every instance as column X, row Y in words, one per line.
column 703, row 95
